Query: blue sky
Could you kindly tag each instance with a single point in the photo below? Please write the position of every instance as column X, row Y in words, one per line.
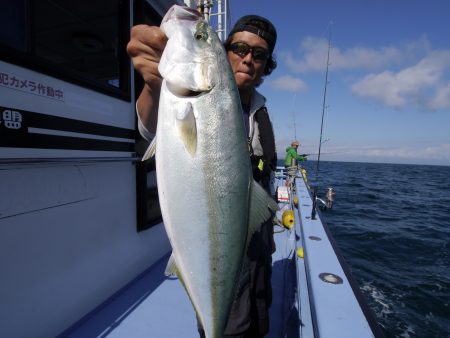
column 389, row 93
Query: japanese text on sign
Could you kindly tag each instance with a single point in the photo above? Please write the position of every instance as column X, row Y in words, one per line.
column 30, row 86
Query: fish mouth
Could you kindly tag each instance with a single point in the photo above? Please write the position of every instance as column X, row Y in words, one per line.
column 183, row 91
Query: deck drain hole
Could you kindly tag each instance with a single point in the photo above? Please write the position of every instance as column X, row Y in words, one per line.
column 315, row 238
column 330, row 278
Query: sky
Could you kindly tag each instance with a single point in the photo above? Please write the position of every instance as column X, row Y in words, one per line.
column 388, row 92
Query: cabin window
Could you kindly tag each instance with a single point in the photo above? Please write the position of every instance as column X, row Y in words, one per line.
column 13, row 24
column 78, row 41
column 148, row 210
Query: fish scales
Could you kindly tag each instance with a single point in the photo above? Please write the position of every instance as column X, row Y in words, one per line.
column 204, row 176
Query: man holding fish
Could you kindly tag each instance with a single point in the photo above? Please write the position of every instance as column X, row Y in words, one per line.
column 249, row 49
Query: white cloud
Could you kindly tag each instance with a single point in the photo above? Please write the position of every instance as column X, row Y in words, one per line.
column 432, row 152
column 437, row 152
column 442, row 98
column 408, row 75
column 288, row 83
column 313, row 55
column 421, row 85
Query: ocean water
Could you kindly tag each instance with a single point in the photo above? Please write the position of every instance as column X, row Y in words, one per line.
column 392, row 224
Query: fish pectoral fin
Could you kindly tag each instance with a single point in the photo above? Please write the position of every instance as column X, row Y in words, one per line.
column 187, row 128
column 260, row 208
column 171, row 268
column 151, row 150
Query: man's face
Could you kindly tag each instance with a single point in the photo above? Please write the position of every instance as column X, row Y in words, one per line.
column 247, row 71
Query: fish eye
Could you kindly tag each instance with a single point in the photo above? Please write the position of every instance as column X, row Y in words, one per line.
column 201, row 36
column 201, row 32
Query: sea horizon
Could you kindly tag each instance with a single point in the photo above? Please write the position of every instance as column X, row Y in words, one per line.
column 368, row 162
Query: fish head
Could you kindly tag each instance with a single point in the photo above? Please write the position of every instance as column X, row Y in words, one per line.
column 190, row 62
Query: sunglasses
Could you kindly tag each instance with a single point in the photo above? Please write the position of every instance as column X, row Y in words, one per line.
column 242, row 49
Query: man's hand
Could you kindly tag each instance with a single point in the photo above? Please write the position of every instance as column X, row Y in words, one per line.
column 145, row 48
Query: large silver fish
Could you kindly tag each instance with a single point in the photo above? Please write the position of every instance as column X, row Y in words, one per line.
column 209, row 202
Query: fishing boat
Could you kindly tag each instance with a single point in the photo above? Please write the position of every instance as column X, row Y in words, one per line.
column 82, row 244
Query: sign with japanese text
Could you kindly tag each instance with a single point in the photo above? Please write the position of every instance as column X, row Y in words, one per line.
column 30, row 86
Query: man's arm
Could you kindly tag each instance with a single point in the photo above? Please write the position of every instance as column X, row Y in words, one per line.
column 145, row 49
column 300, row 157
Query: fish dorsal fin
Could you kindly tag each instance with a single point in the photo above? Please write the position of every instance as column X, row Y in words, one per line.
column 151, row 150
column 260, row 208
column 187, row 127
column 171, row 268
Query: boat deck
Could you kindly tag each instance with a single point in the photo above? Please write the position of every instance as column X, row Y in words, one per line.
column 156, row 306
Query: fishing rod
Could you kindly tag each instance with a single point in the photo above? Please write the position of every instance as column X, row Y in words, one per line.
column 315, row 198
column 324, row 102
column 293, row 116
column 327, row 153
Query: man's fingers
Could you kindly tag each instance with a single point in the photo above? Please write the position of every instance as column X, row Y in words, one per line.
column 145, row 48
